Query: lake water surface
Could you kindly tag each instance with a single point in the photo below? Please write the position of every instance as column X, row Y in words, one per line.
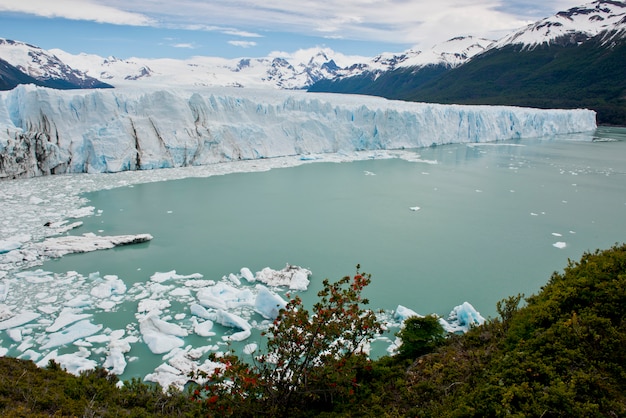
column 471, row 222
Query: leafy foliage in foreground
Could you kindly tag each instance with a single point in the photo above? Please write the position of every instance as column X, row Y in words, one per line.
column 29, row 391
column 560, row 355
column 313, row 360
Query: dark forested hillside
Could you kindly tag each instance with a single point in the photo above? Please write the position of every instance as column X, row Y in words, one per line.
column 591, row 75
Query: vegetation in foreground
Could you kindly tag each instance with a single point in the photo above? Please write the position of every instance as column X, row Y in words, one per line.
column 561, row 354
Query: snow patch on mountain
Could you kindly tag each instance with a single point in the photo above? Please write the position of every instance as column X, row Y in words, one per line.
column 575, row 25
column 43, row 65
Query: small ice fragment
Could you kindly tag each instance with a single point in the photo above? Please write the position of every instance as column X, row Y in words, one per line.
column 559, row 244
column 414, row 208
column 19, row 319
column 556, row 234
column 250, row 348
column 247, row 274
column 402, row 313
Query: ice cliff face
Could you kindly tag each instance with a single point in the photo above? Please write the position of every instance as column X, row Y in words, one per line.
column 44, row 131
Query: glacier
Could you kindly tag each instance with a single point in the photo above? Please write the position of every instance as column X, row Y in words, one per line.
column 45, row 131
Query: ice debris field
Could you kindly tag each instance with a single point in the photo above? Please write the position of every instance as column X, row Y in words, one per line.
column 179, row 318
column 56, row 322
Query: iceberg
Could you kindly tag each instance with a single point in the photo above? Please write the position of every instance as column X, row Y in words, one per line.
column 296, row 278
column 462, row 318
column 45, row 131
column 60, row 246
column 268, row 304
column 78, row 330
column 161, row 336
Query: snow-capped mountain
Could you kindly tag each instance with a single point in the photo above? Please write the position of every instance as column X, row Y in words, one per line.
column 298, row 70
column 573, row 26
column 286, row 71
column 451, row 53
column 44, row 67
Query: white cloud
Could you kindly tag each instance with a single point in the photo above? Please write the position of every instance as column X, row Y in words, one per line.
column 184, row 45
column 77, row 10
column 241, row 33
column 243, row 44
column 417, row 22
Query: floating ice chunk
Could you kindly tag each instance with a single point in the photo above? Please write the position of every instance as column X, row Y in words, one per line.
column 180, row 292
column 74, row 363
column 230, row 320
column 116, row 361
column 166, row 376
column 181, row 364
column 79, row 301
column 19, row 319
column 402, row 313
column 48, row 309
column 556, row 234
column 199, row 283
column 247, row 274
column 461, row 318
column 81, row 212
column 112, row 285
column 72, row 333
column 66, row 317
column 559, row 244
column 15, row 334
column 224, row 296
column 171, row 275
column 107, row 305
column 161, row 336
column 13, row 242
column 297, row 278
column 203, row 329
column 234, row 279
column 28, row 355
column 250, row 348
column 414, row 208
column 151, row 305
column 36, row 277
column 199, row 311
column 58, row 228
column 60, row 246
column 267, row 304
column 238, row 336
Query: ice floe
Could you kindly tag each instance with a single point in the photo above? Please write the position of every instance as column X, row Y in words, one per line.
column 60, row 246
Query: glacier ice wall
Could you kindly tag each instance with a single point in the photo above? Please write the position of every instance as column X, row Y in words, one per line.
column 44, row 131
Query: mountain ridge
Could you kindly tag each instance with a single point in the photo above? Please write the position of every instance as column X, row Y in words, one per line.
column 575, row 58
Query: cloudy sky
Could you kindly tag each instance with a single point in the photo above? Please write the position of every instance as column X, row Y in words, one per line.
column 255, row 28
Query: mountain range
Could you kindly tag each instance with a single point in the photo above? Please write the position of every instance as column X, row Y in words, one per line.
column 576, row 58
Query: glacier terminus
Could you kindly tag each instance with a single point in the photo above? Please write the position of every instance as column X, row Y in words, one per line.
column 45, row 131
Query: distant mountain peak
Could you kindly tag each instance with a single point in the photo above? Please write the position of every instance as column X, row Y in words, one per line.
column 573, row 26
column 44, row 67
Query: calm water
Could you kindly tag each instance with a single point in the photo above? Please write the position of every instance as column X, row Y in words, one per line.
column 484, row 230
column 488, row 222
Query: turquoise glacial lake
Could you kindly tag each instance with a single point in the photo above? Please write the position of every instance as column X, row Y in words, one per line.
column 469, row 222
